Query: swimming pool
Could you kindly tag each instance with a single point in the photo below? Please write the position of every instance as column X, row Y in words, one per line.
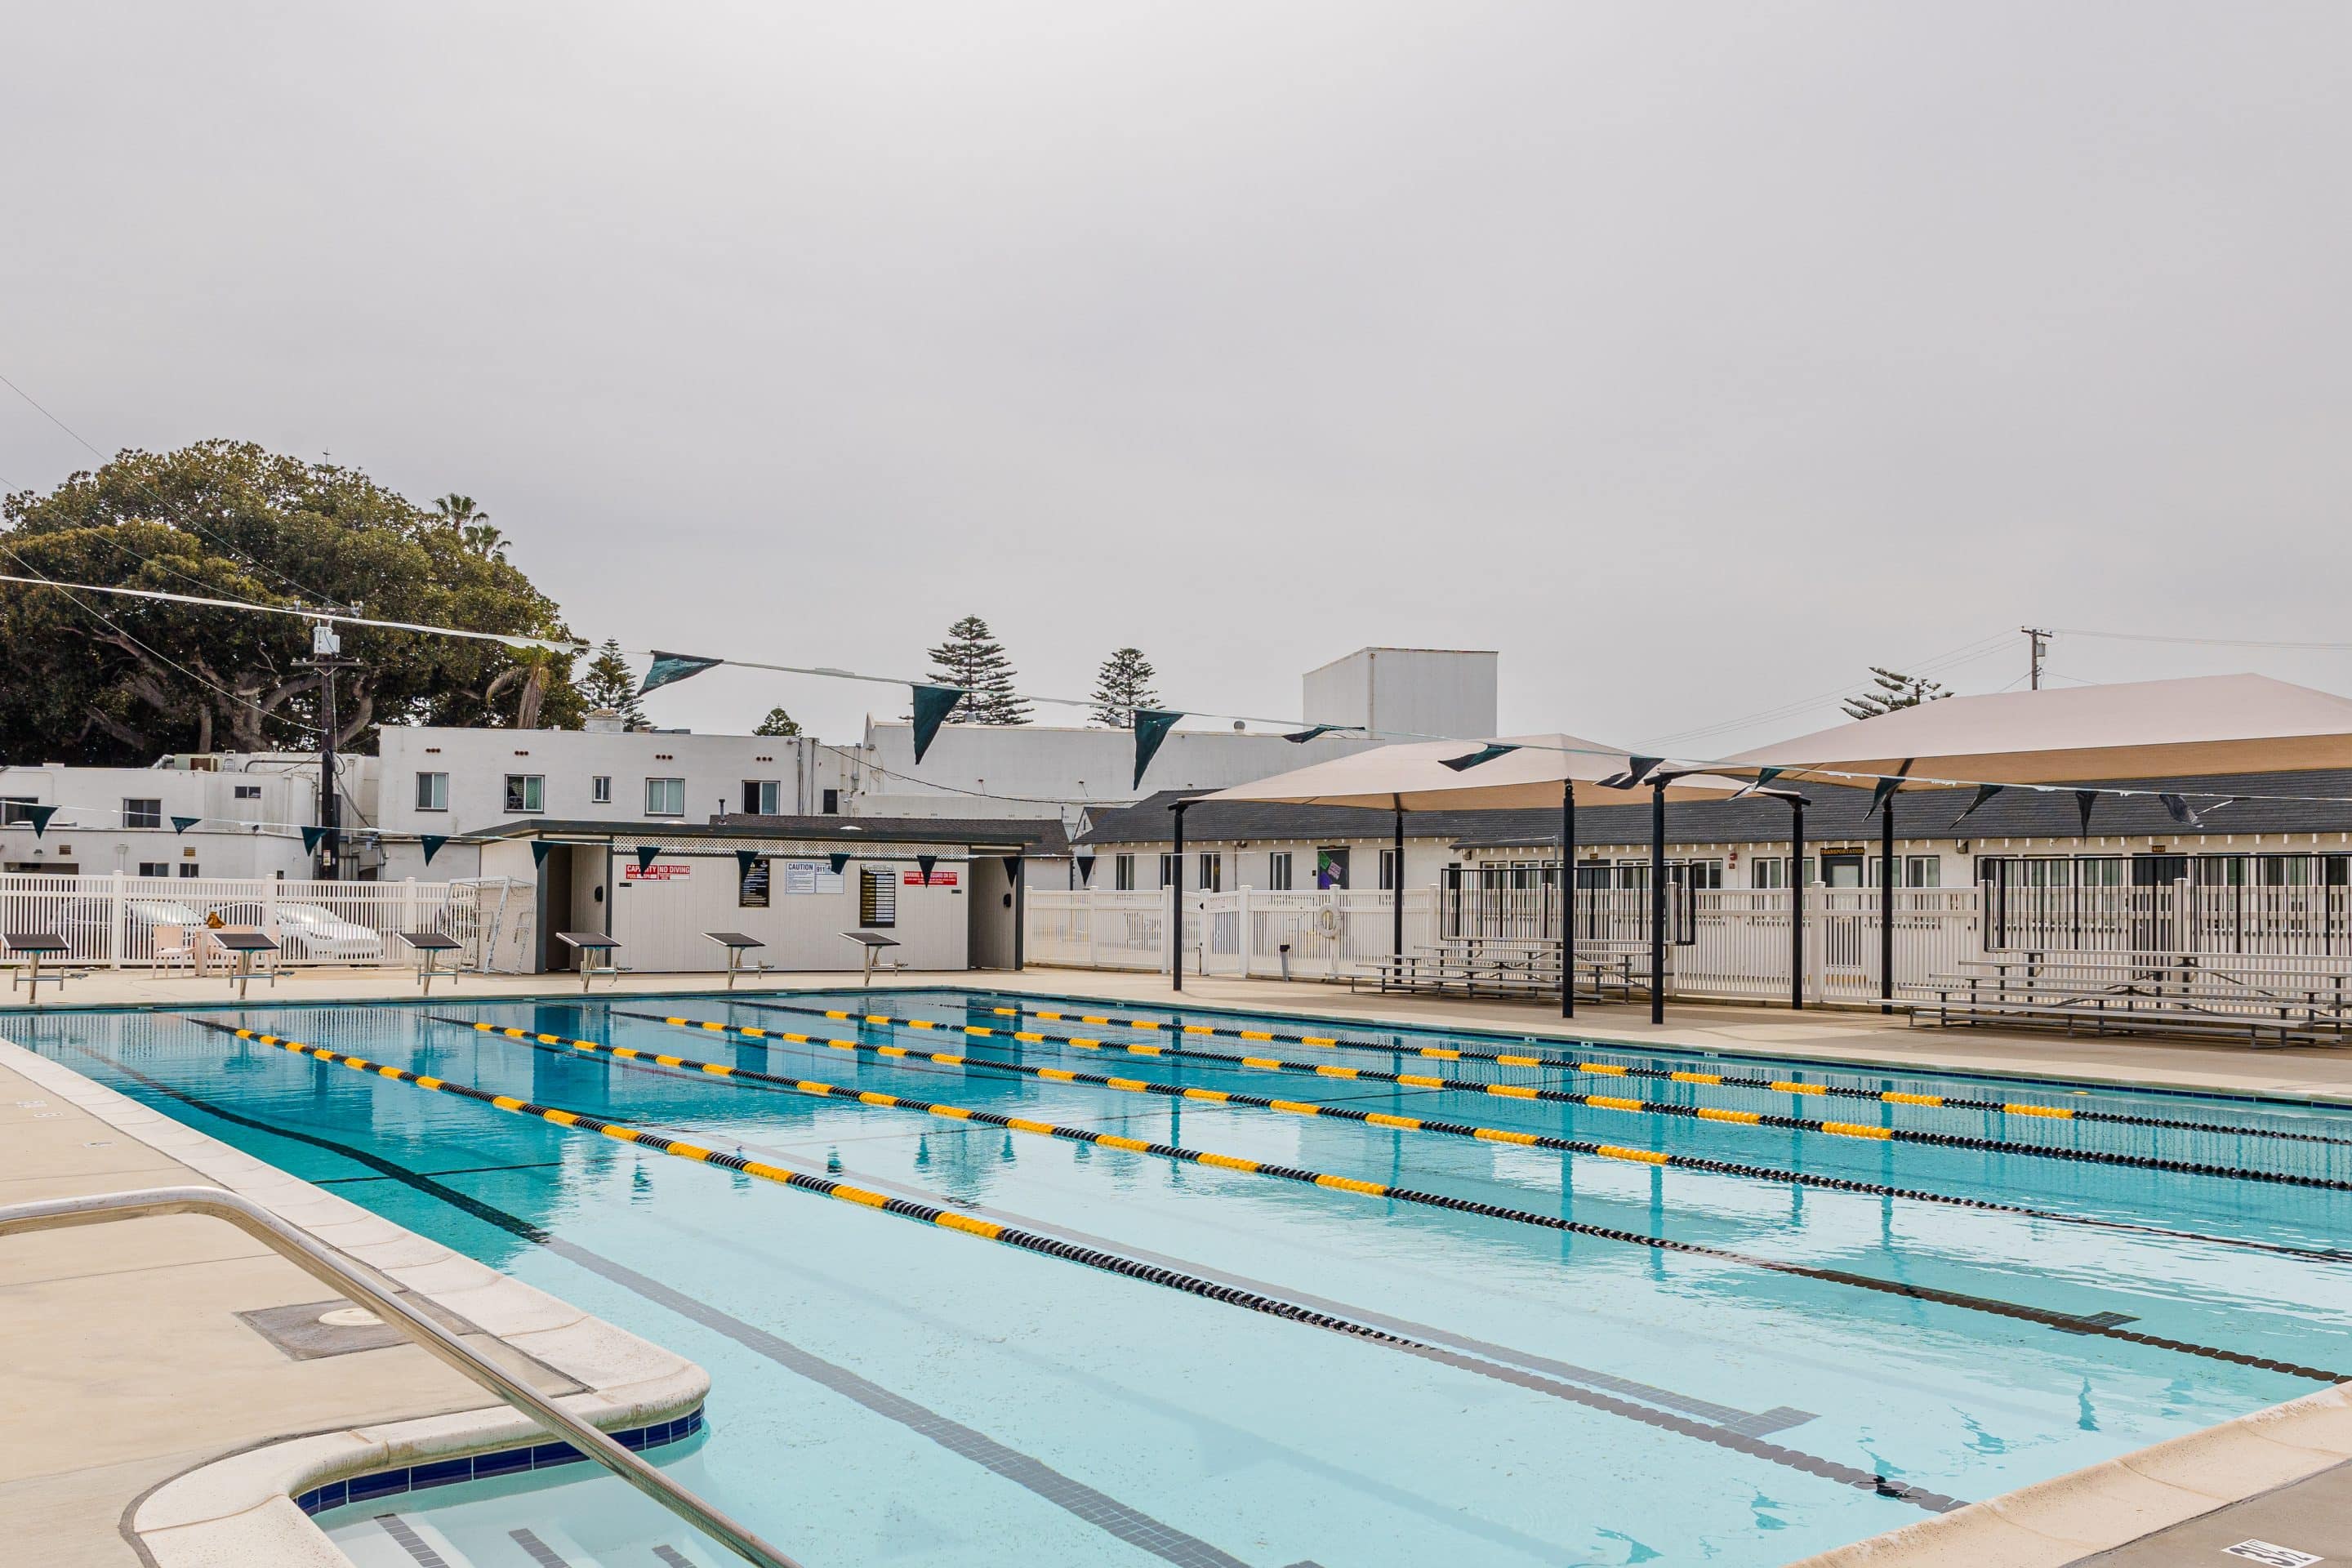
column 1632, row 1306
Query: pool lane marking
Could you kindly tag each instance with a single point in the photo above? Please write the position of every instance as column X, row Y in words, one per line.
column 1091, row 1507
column 1603, row 1101
column 1615, row 1069
column 2068, row 1322
column 1492, row 1135
column 1128, row 1267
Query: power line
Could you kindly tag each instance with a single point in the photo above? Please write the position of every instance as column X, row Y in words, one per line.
column 2203, row 642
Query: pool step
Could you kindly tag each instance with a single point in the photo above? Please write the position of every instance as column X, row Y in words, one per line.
column 412, row 1540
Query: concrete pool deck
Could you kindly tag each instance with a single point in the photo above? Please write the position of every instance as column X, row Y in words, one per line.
column 175, row 1377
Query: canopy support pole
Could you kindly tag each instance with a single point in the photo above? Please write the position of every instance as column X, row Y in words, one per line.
column 1887, row 880
column 1176, row 903
column 1396, row 893
column 1568, row 899
column 1796, row 903
column 1658, row 901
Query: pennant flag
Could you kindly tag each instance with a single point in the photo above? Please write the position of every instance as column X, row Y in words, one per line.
column 932, row 706
column 2178, row 809
column 1881, row 791
column 539, row 849
column 38, row 815
column 1152, row 727
column 668, row 666
column 1085, row 869
column 1483, row 754
column 1984, row 793
column 838, row 862
column 2085, row 799
column 1299, row 737
column 744, row 860
column 433, row 842
column 1012, row 867
column 1763, row 777
column 1638, row 769
column 646, row 854
column 311, row 837
column 924, row 864
column 182, row 824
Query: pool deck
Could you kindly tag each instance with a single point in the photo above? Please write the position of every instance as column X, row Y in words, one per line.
column 128, row 1365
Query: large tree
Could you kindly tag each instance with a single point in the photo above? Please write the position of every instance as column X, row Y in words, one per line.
column 972, row 659
column 1894, row 689
column 1122, row 685
column 99, row 679
column 778, row 722
column 607, row 683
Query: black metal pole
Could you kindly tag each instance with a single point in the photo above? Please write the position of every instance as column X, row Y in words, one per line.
column 1568, row 899
column 1396, row 893
column 1658, row 902
column 330, row 804
column 1020, row 913
column 1796, row 903
column 1886, row 879
column 1176, row 905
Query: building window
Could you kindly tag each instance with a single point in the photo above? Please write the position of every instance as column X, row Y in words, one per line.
column 1923, row 870
column 1769, row 871
column 16, row 808
column 154, row 868
column 433, row 792
column 600, row 789
column 1122, row 873
column 248, row 792
column 1167, row 869
column 665, row 797
column 831, row 804
column 190, row 869
column 1213, row 872
column 525, row 792
column 763, row 797
column 1278, row 871
column 143, row 813
column 1388, row 870
column 877, row 896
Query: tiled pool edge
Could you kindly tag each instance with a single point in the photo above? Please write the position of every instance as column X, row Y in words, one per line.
column 377, row 1485
column 2100, row 1506
column 241, row 1507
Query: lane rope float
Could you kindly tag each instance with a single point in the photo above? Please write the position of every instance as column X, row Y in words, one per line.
column 1485, row 1134
column 1857, row 1129
column 1108, row 1262
column 1616, row 1069
column 2097, row 1324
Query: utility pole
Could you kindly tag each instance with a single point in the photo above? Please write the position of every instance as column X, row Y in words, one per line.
column 326, row 658
column 2039, row 640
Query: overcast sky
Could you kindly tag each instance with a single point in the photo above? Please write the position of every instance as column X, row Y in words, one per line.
column 1692, row 356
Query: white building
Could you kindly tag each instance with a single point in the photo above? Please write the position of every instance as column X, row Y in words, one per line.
column 1406, row 691
column 248, row 815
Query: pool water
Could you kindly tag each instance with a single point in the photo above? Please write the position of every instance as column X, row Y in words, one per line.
column 888, row 1392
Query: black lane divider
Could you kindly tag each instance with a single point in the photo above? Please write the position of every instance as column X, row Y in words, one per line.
column 1565, row 1097
column 1128, row 1267
column 1614, row 1069
column 2104, row 1325
column 1497, row 1135
column 1103, row 1512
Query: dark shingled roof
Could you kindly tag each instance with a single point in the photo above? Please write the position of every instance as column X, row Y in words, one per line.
column 1832, row 812
column 1043, row 836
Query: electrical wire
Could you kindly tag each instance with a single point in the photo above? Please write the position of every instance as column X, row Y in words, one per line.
column 2201, row 642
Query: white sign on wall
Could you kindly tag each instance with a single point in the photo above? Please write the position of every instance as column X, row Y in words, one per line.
column 803, row 877
column 659, row 871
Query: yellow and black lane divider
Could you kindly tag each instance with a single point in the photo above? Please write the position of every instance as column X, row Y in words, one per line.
column 2102, row 1325
column 1858, row 1130
column 1415, row 1125
column 1110, row 1263
column 1616, row 1069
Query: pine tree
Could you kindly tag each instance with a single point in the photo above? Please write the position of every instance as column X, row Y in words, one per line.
column 778, row 722
column 1894, row 690
column 973, row 659
column 609, row 684
column 1122, row 685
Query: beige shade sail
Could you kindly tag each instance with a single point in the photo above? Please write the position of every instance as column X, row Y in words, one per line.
column 2144, row 728
column 1415, row 777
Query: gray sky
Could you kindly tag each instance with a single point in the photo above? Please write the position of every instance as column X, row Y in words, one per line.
column 1693, row 356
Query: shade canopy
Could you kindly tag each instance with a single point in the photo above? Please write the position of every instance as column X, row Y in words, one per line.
column 1415, row 777
column 2142, row 728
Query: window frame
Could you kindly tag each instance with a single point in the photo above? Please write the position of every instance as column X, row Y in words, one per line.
column 1391, row 869
column 526, row 794
column 600, row 789
column 1122, row 872
column 763, row 797
column 1168, row 868
column 143, row 811
column 652, row 810
column 429, row 798
column 154, row 868
column 1278, row 870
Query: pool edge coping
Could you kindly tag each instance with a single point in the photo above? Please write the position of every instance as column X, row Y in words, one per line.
column 239, row 1507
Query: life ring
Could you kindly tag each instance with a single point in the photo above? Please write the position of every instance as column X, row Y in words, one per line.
column 1326, row 922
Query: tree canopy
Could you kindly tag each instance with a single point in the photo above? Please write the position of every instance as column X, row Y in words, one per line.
column 607, row 683
column 778, row 722
column 121, row 681
column 1122, row 685
column 1894, row 689
column 972, row 659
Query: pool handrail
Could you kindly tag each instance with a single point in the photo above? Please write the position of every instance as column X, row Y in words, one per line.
column 362, row 1284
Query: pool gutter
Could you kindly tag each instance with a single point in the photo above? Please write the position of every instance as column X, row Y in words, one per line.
column 240, row 1507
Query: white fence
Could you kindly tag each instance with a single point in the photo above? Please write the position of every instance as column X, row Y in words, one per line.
column 1329, row 935
column 116, row 920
